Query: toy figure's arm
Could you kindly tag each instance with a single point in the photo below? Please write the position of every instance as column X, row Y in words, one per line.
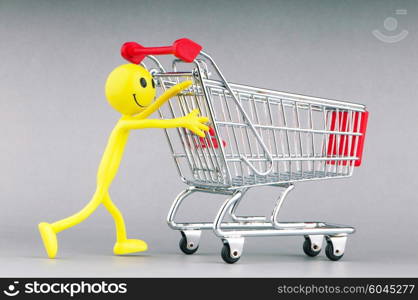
column 171, row 92
column 192, row 122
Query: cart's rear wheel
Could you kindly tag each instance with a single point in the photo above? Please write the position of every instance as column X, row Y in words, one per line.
column 187, row 247
column 331, row 254
column 229, row 257
column 310, row 250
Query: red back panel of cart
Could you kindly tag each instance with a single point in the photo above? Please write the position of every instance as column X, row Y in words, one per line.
column 343, row 143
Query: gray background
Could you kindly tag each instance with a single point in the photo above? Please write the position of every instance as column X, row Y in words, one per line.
column 55, row 56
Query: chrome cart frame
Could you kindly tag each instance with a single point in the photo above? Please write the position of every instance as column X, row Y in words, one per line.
column 258, row 137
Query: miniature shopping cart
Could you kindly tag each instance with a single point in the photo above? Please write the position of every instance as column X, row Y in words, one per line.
column 257, row 137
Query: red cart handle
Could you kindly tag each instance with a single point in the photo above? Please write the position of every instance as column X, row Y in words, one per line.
column 185, row 49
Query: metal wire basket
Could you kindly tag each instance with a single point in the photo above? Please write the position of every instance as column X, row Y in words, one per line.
column 260, row 136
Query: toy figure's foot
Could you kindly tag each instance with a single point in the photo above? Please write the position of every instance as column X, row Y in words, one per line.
column 129, row 246
column 49, row 237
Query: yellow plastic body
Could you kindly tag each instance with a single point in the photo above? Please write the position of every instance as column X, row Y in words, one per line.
column 130, row 90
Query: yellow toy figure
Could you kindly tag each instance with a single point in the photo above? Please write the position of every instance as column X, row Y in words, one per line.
column 130, row 89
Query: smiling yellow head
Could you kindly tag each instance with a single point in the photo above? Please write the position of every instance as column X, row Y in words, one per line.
column 129, row 89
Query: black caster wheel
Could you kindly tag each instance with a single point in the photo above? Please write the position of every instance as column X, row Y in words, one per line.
column 307, row 248
column 226, row 255
column 329, row 252
column 183, row 244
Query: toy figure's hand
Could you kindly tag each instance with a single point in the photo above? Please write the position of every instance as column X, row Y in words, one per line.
column 194, row 123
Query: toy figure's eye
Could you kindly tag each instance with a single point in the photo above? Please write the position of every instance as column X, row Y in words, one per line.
column 153, row 83
column 143, row 82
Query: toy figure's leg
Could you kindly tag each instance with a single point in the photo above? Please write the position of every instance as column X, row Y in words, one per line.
column 48, row 231
column 123, row 245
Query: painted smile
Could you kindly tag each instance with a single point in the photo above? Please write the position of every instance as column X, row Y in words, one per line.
column 136, row 101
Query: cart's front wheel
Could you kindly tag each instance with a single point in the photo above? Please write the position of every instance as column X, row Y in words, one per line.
column 188, row 244
column 331, row 253
column 310, row 249
column 229, row 257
